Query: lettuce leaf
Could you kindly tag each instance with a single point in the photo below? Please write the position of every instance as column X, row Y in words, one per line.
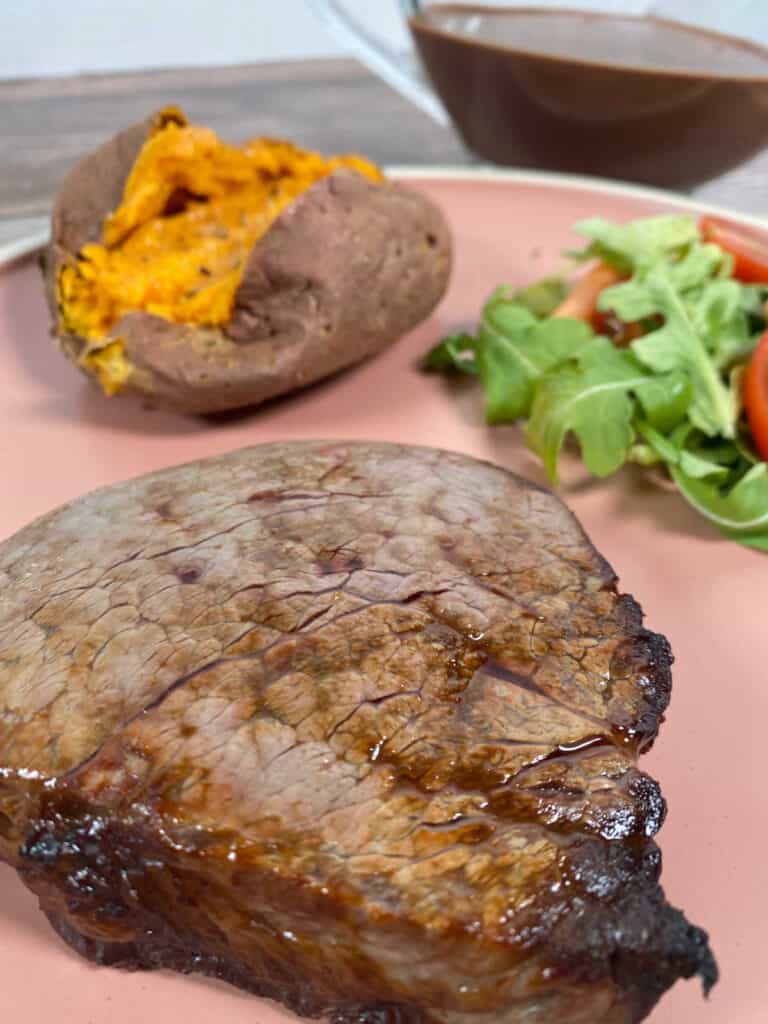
column 639, row 244
column 672, row 398
column 542, row 297
column 593, row 398
column 510, row 353
column 677, row 345
column 514, row 350
column 456, row 353
column 740, row 512
column 665, row 400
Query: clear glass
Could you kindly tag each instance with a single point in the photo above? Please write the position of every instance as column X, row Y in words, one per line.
column 351, row 22
column 397, row 67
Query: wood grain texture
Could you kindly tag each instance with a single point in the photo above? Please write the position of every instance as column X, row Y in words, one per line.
column 332, row 105
column 46, row 125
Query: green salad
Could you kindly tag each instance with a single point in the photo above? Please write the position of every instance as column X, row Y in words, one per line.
column 644, row 359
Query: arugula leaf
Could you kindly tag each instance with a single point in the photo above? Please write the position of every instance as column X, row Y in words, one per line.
column 719, row 317
column 700, row 467
column 506, row 316
column 740, row 510
column 715, row 314
column 753, row 300
column 697, row 266
column 638, row 244
column 591, row 397
column 717, row 304
column 672, row 399
column 758, row 541
column 665, row 399
column 740, row 513
column 514, row 349
column 664, row 447
column 746, row 452
column 643, row 455
column 543, row 297
column 454, row 353
column 678, row 346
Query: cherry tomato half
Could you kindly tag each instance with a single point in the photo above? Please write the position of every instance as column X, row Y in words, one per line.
column 581, row 302
column 756, row 396
column 748, row 246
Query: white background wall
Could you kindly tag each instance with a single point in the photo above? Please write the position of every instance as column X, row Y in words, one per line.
column 52, row 37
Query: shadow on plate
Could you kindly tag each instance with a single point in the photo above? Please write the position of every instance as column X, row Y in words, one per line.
column 71, row 397
column 637, row 493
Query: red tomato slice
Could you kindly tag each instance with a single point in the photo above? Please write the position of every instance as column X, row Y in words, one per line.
column 756, row 396
column 581, row 302
column 748, row 246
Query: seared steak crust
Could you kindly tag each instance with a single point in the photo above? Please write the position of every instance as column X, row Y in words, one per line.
column 354, row 726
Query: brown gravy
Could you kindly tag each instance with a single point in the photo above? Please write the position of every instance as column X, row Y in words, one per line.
column 590, row 37
column 629, row 97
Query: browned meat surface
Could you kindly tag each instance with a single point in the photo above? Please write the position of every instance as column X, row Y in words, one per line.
column 351, row 725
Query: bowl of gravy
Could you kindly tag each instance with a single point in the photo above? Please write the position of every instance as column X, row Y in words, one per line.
column 637, row 98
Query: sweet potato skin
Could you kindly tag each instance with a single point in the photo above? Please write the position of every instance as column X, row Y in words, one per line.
column 344, row 271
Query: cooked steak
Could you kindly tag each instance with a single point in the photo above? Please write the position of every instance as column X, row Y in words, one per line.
column 354, row 726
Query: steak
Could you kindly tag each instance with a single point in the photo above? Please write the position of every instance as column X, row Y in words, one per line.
column 352, row 726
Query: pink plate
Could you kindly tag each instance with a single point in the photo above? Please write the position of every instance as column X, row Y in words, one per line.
column 60, row 437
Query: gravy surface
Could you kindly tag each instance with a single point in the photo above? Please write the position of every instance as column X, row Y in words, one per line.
column 592, row 37
column 634, row 98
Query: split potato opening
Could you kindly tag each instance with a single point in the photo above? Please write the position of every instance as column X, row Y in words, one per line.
column 207, row 276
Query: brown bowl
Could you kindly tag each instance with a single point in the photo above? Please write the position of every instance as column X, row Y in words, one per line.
column 637, row 98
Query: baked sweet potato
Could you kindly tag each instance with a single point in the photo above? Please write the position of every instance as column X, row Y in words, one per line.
column 208, row 277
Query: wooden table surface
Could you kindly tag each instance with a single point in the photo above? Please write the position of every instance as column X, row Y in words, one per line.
column 332, row 105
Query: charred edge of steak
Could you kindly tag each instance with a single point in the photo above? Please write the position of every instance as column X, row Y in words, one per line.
column 619, row 924
column 646, row 654
column 648, row 658
column 378, row 1015
column 89, row 869
column 104, row 885
column 155, row 956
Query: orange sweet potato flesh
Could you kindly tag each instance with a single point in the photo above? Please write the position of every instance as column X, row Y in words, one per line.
column 192, row 209
column 157, row 278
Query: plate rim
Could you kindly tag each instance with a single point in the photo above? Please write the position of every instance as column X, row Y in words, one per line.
column 564, row 180
column 27, row 245
column 23, row 247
